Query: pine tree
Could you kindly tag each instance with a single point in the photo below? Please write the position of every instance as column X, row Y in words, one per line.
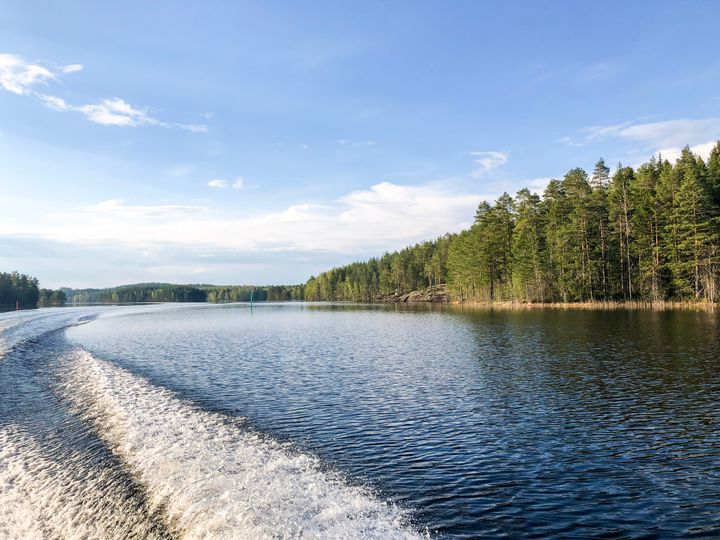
column 645, row 223
column 528, row 250
column 601, row 175
column 620, row 211
column 712, row 176
column 577, row 190
column 558, row 253
column 695, row 228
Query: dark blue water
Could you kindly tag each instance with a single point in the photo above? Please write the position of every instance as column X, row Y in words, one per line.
column 483, row 422
column 469, row 423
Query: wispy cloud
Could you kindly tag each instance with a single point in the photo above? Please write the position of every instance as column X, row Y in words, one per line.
column 602, row 71
column 118, row 208
column 238, row 183
column 666, row 133
column 537, row 185
column 116, row 112
column 72, row 68
column 666, row 137
column 487, row 161
column 385, row 216
column 22, row 77
column 672, row 153
column 122, row 241
column 346, row 142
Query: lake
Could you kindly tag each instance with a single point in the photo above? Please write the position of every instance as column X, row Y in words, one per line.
column 351, row 421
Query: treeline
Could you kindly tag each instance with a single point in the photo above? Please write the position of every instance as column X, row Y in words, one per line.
column 167, row 292
column 269, row 293
column 645, row 234
column 51, row 298
column 23, row 291
column 18, row 290
column 395, row 273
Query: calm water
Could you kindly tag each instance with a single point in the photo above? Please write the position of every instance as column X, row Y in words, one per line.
column 358, row 421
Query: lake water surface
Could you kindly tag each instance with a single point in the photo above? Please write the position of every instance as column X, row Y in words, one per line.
column 348, row 421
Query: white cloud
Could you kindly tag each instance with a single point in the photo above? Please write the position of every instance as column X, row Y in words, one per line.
column 672, row 153
column 667, row 133
column 54, row 102
column 238, row 183
column 195, row 128
column 118, row 208
column 368, row 142
column 385, row 216
column 21, row 77
column 115, row 241
column 486, row 161
column 537, row 185
column 72, row 68
column 116, row 112
column 667, row 137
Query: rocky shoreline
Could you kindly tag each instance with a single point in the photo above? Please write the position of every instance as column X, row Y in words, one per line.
column 437, row 294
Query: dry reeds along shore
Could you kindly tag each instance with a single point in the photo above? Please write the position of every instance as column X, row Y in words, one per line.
column 597, row 305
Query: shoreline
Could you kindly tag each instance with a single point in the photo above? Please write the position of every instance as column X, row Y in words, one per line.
column 593, row 306
column 440, row 295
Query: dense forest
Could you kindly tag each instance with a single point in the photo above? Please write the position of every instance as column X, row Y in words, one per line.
column 21, row 290
column 645, row 234
column 167, row 292
column 49, row 297
column 18, row 290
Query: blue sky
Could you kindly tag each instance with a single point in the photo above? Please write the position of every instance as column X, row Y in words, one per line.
column 262, row 142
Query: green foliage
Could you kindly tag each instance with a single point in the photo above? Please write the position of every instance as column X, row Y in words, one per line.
column 412, row 268
column 18, row 289
column 167, row 292
column 647, row 234
column 49, row 297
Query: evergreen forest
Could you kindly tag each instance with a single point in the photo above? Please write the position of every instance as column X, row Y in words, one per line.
column 645, row 234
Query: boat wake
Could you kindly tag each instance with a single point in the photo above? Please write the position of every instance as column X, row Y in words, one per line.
column 49, row 494
column 91, row 450
column 210, row 475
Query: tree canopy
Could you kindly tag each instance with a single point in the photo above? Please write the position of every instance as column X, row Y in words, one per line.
column 650, row 234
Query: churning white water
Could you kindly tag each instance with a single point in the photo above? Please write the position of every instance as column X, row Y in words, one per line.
column 44, row 494
column 210, row 477
column 89, row 450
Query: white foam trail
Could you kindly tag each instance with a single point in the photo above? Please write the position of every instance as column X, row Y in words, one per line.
column 5, row 344
column 18, row 518
column 210, row 477
column 42, row 497
column 17, row 327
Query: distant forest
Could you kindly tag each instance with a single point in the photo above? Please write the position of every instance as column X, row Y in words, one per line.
column 645, row 234
column 167, row 292
column 22, row 291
